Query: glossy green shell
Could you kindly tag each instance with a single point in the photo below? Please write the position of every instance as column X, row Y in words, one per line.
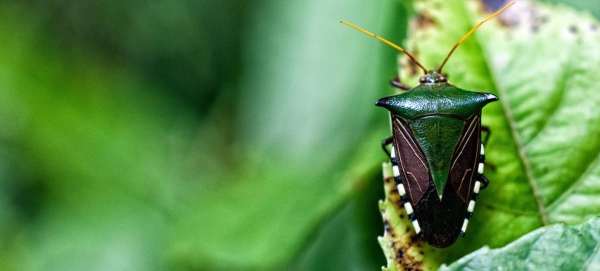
column 437, row 113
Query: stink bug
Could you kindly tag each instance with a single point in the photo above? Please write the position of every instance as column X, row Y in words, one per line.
column 437, row 152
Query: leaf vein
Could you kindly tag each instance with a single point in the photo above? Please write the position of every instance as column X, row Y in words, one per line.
column 522, row 152
column 569, row 191
column 519, row 143
column 592, row 256
column 562, row 86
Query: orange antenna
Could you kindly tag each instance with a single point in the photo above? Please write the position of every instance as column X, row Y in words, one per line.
column 471, row 32
column 386, row 42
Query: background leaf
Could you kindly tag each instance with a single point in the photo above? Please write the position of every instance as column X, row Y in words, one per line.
column 556, row 247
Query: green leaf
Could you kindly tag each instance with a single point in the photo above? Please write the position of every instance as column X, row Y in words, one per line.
column 542, row 62
column 556, row 247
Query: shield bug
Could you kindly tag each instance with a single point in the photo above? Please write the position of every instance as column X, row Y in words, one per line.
column 437, row 151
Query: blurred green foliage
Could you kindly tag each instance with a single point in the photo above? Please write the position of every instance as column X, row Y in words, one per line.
column 193, row 135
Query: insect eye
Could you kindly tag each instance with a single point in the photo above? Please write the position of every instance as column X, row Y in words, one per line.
column 422, row 80
column 442, row 79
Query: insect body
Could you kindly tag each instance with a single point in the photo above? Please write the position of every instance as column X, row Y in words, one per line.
column 437, row 155
column 437, row 152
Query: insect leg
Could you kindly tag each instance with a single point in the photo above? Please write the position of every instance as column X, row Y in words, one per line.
column 385, row 143
column 484, row 181
column 396, row 83
column 487, row 131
